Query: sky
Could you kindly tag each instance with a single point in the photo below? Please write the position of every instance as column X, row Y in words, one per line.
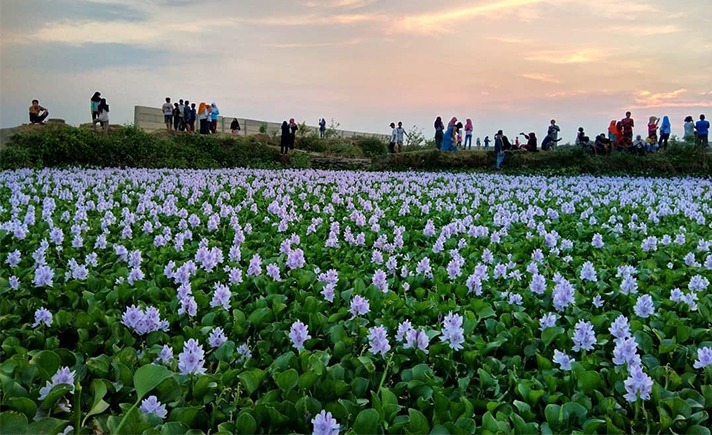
column 509, row 64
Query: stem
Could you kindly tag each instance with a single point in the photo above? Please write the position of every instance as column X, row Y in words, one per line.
column 123, row 420
column 78, row 407
column 385, row 372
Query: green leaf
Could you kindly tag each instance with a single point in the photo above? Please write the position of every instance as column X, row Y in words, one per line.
column 98, row 389
column 551, row 334
column 287, row 380
column 592, row 425
column 574, row 411
column 367, row 422
column 588, row 381
column 47, row 363
column 147, row 377
column 48, row 425
column 173, row 428
column 260, row 316
column 367, row 363
column 252, row 379
column 57, row 392
column 12, row 422
column 246, row 423
column 23, row 405
column 553, row 416
column 697, row 430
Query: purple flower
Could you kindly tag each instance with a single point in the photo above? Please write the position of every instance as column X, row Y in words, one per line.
column 63, row 376
column 403, row 329
column 629, row 285
column 416, row 339
column 563, row 294
column 295, row 259
column 379, row 280
column 221, row 296
column 547, row 321
column 452, row 331
column 515, row 299
column 625, row 352
column 597, row 301
column 273, row 271
column 14, row 282
column 584, row 336
column 698, row 283
column 255, row 267
column 217, row 337
column 42, row 315
column 328, row 292
column 423, row 268
column 325, row 424
column 244, row 353
column 43, row 276
column 188, row 306
column 538, row 284
column 597, row 241
column 151, row 405
column 588, row 272
column 454, row 269
column 620, row 328
column 13, row 258
column 378, row 340
column 644, row 306
column 166, row 355
column 299, row 333
column 638, row 384
column 563, row 360
column 192, row 359
column 704, row 358
column 359, row 306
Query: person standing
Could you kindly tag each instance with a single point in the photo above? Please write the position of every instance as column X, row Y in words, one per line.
column 176, row 116
column 689, row 128
column 499, row 150
column 703, row 130
column 102, row 116
column 284, row 140
column 168, row 113
column 552, row 133
column 322, row 128
column 292, row 133
column 203, row 118
column 235, row 127
column 627, row 125
column 37, row 113
column 653, row 128
column 664, row 132
column 487, row 142
column 181, row 115
column 186, row 115
column 400, row 133
column 214, row 113
column 439, row 129
column 94, row 105
column 468, row 134
column 613, row 132
column 392, row 142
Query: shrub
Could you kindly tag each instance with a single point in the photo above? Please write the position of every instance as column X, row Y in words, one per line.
column 372, row 146
column 311, row 143
column 300, row 160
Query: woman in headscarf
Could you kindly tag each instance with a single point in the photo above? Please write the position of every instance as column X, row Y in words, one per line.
column 439, row 129
column 665, row 129
column 284, row 140
column 203, row 116
column 468, row 134
column 214, row 112
column 292, row 132
column 613, row 133
column 235, row 127
column 449, row 136
column 94, row 105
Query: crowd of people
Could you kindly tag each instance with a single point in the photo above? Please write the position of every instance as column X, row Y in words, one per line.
column 619, row 137
column 182, row 116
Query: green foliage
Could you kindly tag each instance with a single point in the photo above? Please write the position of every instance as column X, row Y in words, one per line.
column 300, row 160
column 372, row 146
column 263, row 128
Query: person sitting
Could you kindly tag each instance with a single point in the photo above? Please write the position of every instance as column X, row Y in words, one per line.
column 638, row 145
column 235, row 127
column 651, row 144
column 506, row 144
column 531, row 142
column 37, row 113
column 602, row 145
column 582, row 140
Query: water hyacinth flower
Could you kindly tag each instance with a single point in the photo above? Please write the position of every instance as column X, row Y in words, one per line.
column 221, row 296
column 295, row 259
column 597, row 301
column 452, row 331
column 378, row 340
column 328, row 292
column 584, row 336
column 166, row 355
column 44, row 276
column 217, row 337
column 379, row 281
column 620, row 328
column 299, row 333
column 704, row 358
column 474, row 284
column 255, row 267
column 644, row 306
column 625, row 352
column 547, row 321
column 143, row 321
column 325, row 424
column 63, row 376
column 563, row 294
column 359, row 306
column 638, row 384
column 42, row 316
column 188, row 306
column 273, row 272
column 629, row 285
column 244, row 353
column 563, row 360
column 588, row 272
column 403, row 329
column 537, row 284
column 151, row 405
column 192, row 359
column 14, row 282
column 416, row 339
column 515, row 299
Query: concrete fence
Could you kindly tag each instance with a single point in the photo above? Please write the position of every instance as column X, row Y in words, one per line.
column 151, row 119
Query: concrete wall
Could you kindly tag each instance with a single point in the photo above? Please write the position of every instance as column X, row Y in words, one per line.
column 151, row 119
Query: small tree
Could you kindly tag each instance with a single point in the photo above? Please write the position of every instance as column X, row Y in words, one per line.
column 332, row 129
column 303, row 130
column 415, row 138
column 263, row 128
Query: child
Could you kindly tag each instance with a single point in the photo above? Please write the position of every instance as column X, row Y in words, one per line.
column 459, row 136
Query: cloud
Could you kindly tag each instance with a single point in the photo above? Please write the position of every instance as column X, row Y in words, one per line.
column 646, row 30
column 340, row 4
column 566, row 56
column 546, row 78
column 349, row 42
column 677, row 98
column 312, row 20
column 440, row 21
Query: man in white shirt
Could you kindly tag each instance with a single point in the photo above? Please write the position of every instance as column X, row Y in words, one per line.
column 400, row 132
column 168, row 113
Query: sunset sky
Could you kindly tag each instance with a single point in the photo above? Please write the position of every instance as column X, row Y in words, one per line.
column 510, row 64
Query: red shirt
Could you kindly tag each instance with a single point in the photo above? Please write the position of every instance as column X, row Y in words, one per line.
column 627, row 124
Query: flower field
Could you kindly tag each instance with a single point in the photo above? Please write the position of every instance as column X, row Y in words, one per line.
column 243, row 301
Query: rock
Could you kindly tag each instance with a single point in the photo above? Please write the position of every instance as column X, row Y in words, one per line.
column 55, row 121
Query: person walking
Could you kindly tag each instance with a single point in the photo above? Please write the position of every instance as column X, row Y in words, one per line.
column 665, row 130
column 468, row 134
column 478, row 143
column 400, row 133
column 439, row 129
column 94, row 105
column 168, row 113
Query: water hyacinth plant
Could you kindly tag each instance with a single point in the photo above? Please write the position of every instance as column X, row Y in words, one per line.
column 259, row 301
